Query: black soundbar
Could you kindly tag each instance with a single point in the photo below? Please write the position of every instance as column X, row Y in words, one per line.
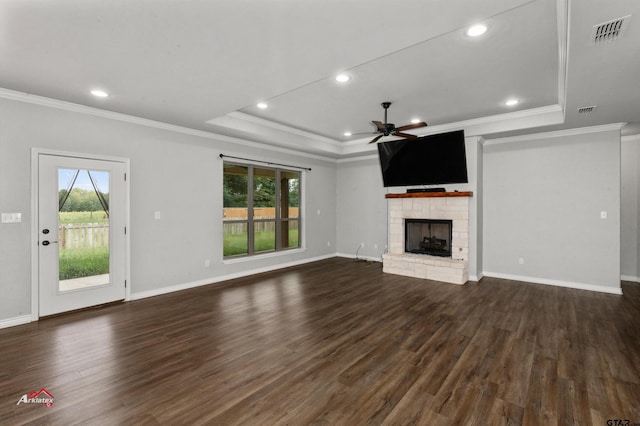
column 410, row 191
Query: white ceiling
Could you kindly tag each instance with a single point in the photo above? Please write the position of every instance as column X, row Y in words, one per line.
column 204, row 64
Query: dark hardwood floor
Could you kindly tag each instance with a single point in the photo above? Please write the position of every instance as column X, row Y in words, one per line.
column 333, row 342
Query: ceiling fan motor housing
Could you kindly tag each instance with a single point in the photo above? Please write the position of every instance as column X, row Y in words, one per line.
column 389, row 129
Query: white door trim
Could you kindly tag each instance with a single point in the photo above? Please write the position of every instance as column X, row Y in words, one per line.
column 35, row 278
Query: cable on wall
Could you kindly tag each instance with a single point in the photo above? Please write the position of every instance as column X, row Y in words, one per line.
column 265, row 162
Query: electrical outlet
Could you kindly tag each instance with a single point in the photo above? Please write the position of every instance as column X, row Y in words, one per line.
column 328, row 243
column 11, row 217
column 375, row 246
column 521, row 261
column 207, row 263
column 361, row 245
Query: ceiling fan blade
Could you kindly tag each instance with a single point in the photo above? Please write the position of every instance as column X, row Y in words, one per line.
column 381, row 127
column 412, row 126
column 405, row 135
column 376, row 139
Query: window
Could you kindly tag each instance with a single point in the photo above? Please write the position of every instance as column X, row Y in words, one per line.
column 261, row 209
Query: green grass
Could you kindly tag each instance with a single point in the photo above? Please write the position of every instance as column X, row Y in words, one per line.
column 83, row 262
column 264, row 241
column 82, row 217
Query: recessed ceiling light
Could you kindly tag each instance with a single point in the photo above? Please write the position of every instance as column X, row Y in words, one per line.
column 511, row 102
column 99, row 93
column 476, row 30
column 347, row 133
column 343, row 78
column 415, row 120
column 262, row 105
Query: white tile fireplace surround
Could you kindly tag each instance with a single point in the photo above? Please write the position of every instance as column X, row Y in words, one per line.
column 452, row 206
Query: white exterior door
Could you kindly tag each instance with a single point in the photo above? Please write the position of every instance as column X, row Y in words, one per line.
column 82, row 213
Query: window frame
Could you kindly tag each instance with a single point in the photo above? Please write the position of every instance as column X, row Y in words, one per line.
column 278, row 220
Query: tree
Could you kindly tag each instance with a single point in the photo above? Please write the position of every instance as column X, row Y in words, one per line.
column 234, row 190
column 81, row 200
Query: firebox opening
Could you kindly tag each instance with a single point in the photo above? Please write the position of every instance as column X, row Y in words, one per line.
column 427, row 236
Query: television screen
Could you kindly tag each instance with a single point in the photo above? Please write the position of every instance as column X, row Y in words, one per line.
column 429, row 160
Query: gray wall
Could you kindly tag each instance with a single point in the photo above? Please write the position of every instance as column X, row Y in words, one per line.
column 362, row 209
column 177, row 174
column 542, row 202
column 630, row 211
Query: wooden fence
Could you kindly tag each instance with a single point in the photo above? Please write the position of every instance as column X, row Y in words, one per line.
column 83, row 235
column 239, row 213
column 241, row 228
column 230, row 213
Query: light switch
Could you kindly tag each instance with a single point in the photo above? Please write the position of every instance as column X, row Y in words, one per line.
column 603, row 215
column 156, row 215
column 11, row 217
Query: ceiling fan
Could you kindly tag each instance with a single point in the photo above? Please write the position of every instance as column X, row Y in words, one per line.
column 389, row 129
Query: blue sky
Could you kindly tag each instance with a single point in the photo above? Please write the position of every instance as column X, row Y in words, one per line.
column 65, row 176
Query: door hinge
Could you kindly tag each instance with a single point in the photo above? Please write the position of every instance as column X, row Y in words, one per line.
column 125, row 230
column 125, row 177
column 125, row 283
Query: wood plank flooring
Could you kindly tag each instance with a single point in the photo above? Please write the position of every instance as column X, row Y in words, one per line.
column 335, row 342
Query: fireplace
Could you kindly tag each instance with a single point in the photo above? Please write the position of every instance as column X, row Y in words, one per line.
column 407, row 253
column 428, row 236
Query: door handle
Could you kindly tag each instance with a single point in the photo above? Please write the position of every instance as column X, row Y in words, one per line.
column 46, row 243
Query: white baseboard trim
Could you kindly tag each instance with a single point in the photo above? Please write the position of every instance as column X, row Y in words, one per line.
column 352, row 256
column 475, row 278
column 218, row 279
column 557, row 283
column 630, row 278
column 11, row 322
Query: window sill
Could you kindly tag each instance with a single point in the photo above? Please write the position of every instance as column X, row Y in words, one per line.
column 243, row 259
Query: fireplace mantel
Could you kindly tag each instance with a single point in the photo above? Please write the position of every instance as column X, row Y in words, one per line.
column 430, row 194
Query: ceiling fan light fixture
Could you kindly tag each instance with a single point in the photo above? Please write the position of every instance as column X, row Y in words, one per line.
column 343, row 78
column 415, row 120
column 511, row 102
column 262, row 105
column 476, row 30
column 347, row 133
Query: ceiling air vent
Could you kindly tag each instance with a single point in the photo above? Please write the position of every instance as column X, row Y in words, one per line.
column 586, row 110
column 610, row 30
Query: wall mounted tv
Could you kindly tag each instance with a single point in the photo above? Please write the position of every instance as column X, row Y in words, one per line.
column 429, row 160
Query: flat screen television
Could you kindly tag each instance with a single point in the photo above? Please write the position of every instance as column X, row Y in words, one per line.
column 429, row 160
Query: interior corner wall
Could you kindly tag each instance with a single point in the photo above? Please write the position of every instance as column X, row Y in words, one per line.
column 176, row 173
column 479, row 222
column 630, row 209
column 543, row 199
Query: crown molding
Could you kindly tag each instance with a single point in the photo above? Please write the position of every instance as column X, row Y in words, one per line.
column 283, row 128
column 555, row 134
column 97, row 112
column 631, row 138
column 470, row 125
column 354, row 159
